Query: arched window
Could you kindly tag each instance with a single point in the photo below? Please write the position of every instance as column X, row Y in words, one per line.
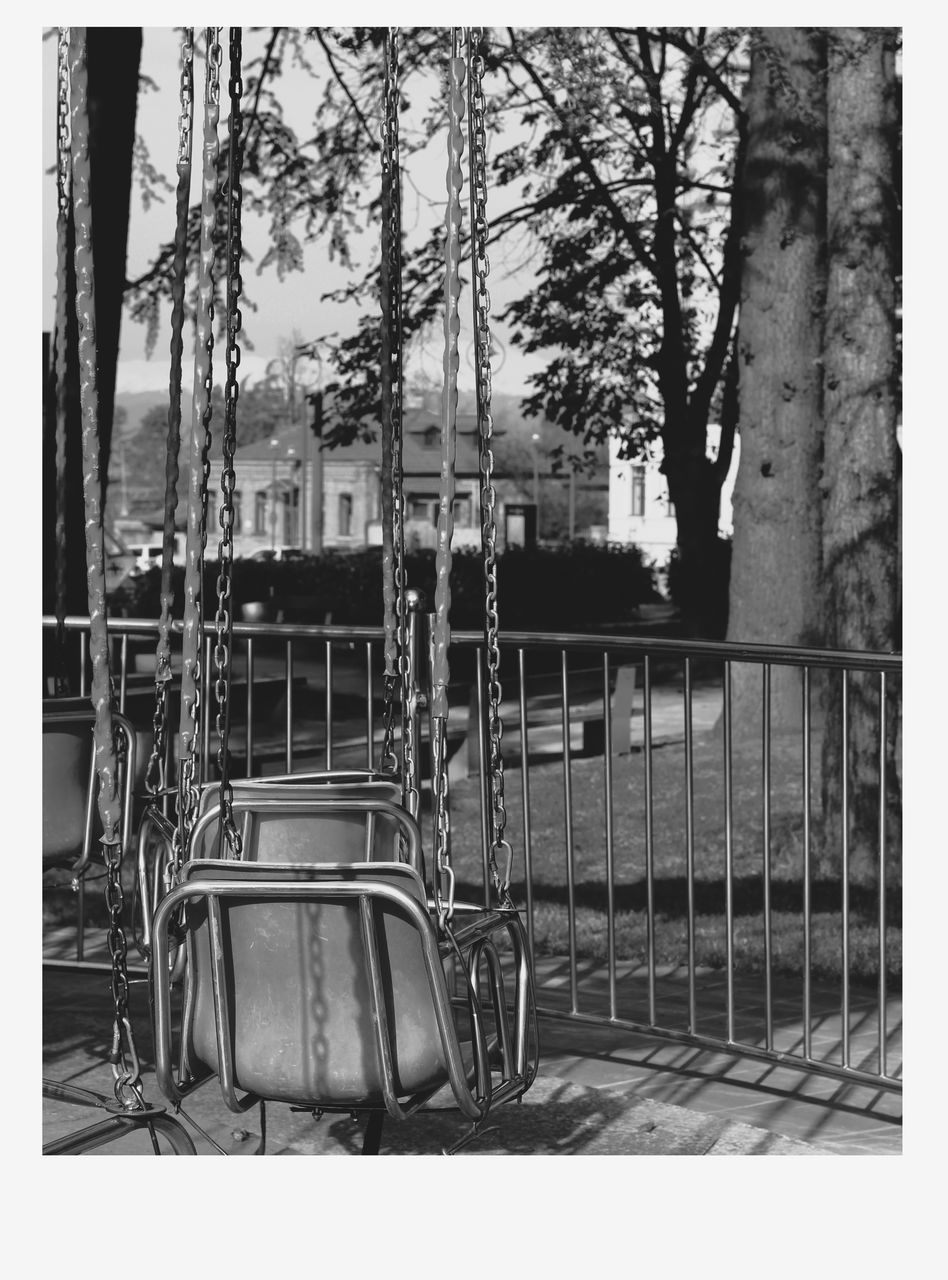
column 260, row 511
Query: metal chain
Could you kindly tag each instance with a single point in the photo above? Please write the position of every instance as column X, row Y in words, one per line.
column 397, row 666
column 200, row 445
column 480, row 232
column 441, row 635
column 224, row 619
column 123, row 1055
column 63, row 185
column 154, row 773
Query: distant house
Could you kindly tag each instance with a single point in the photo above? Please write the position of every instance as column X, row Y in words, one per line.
column 278, row 480
column 640, row 511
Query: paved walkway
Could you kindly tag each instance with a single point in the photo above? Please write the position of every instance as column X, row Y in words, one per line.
column 601, row 1090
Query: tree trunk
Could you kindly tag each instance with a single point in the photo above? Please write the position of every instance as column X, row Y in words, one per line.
column 776, row 558
column 113, row 57
column 860, row 507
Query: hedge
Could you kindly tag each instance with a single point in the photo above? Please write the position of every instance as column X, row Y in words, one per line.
column 566, row 588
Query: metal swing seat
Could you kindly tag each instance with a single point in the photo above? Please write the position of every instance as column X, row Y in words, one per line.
column 323, row 968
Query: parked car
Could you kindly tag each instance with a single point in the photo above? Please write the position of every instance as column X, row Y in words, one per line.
column 280, row 553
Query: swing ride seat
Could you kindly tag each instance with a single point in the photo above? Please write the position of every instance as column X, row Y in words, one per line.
column 352, row 831
column 324, row 986
column 70, row 819
column 298, row 825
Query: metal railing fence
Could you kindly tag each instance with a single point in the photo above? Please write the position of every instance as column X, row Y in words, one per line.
column 686, row 868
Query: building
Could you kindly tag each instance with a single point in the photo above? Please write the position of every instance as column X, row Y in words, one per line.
column 640, row 511
column 289, row 493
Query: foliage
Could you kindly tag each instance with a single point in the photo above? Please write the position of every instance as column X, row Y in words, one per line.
column 262, row 407
column 570, row 588
column 618, row 149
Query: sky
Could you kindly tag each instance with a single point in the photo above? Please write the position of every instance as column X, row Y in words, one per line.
column 283, row 307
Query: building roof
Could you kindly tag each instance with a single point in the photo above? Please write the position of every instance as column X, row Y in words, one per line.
column 421, row 448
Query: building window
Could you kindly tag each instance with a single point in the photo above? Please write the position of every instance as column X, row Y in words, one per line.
column 423, row 508
column 238, row 523
column 432, row 437
column 345, row 515
column 638, row 491
column 462, row 511
column 260, row 511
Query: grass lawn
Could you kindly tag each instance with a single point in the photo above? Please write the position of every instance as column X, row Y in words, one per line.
column 548, row 841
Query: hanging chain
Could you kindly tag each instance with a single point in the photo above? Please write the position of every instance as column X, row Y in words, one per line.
column 441, row 636
column 63, row 185
column 224, row 619
column 500, row 846
column 123, row 1055
column 200, row 445
column 154, row 773
column 397, row 666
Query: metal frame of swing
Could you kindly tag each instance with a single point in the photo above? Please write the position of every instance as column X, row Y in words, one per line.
column 509, row 1050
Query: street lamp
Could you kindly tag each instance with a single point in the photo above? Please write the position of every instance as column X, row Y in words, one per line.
column 536, row 479
column 274, row 445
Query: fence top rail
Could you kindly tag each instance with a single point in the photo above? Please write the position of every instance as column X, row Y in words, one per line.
column 640, row 646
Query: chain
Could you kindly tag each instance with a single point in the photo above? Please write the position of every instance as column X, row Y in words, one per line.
column 154, row 773
column 224, row 620
column 397, row 666
column 441, row 634
column 186, row 99
column 480, row 232
column 200, row 443
column 62, row 224
column 123, row 1056
column 444, row 879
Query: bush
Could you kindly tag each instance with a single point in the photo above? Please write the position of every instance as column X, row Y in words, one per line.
column 570, row 588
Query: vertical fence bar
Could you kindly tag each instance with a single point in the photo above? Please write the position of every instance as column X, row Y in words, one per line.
column 883, row 782
column 483, row 781
column 369, row 705
column 690, row 838
column 844, row 907
column 768, row 923
column 83, row 646
column 525, row 794
column 649, row 835
column 729, row 852
column 249, row 706
column 289, row 706
column 610, row 850
column 568, row 816
column 807, row 870
column 328, row 704
column 123, row 670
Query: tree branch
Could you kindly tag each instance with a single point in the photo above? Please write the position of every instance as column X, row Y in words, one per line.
column 373, row 140
column 618, row 218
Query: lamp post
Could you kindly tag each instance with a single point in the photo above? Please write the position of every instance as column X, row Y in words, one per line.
column 274, row 445
column 536, row 480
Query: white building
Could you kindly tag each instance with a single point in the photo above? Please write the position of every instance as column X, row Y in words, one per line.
column 639, row 508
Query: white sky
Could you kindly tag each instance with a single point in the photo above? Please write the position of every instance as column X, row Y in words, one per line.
column 283, row 307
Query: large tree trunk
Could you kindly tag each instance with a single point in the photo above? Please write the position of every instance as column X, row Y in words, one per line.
column 113, row 57
column 775, row 570
column 860, row 511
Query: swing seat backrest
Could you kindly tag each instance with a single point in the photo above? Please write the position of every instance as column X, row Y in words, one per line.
column 71, row 822
column 329, row 990
column 309, row 823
